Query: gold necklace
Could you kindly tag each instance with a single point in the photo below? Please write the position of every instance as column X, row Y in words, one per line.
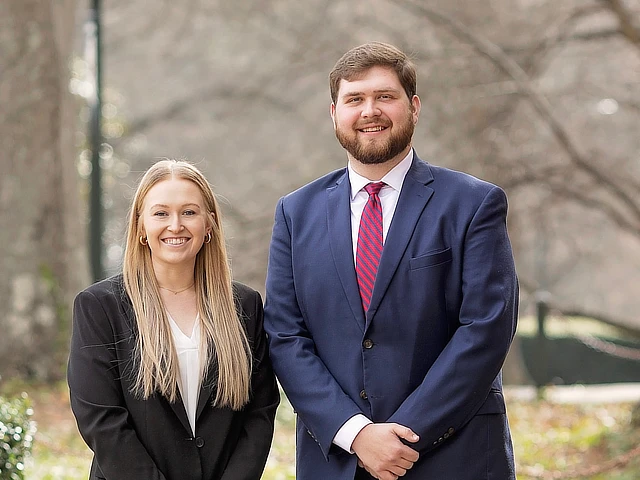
column 175, row 292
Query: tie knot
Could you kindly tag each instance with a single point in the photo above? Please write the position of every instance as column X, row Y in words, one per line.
column 374, row 188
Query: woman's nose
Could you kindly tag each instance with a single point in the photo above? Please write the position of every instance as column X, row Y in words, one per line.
column 176, row 223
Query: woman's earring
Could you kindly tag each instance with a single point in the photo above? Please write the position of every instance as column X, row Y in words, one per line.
column 143, row 241
column 208, row 238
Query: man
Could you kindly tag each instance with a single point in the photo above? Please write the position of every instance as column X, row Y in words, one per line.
column 391, row 298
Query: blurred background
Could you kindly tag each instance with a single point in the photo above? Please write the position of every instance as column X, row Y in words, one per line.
column 538, row 96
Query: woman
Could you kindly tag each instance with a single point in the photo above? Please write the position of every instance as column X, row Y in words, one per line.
column 169, row 373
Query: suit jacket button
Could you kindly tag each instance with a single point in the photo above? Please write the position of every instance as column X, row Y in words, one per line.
column 363, row 395
column 199, row 442
column 368, row 343
column 451, row 430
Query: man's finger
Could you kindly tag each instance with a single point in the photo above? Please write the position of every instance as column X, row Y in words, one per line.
column 406, row 433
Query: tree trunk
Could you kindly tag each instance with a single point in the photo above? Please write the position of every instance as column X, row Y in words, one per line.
column 43, row 253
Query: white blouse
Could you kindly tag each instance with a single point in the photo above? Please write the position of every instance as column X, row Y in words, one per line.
column 188, row 350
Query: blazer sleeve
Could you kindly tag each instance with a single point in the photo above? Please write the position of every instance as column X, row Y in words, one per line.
column 320, row 401
column 250, row 454
column 97, row 400
column 461, row 378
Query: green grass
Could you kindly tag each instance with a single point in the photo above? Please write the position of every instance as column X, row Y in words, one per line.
column 550, row 439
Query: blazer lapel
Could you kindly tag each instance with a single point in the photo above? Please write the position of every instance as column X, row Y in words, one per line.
column 339, row 226
column 180, row 411
column 413, row 198
column 206, row 391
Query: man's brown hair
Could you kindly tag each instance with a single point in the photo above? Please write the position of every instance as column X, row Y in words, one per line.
column 374, row 54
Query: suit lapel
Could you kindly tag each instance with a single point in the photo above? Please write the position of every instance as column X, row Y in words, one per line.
column 412, row 200
column 339, row 226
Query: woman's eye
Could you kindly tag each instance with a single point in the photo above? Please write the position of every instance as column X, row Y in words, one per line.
column 159, row 214
column 189, row 212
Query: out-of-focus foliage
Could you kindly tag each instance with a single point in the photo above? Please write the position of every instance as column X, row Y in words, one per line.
column 16, row 436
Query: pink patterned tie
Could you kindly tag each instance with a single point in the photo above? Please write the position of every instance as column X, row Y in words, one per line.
column 369, row 246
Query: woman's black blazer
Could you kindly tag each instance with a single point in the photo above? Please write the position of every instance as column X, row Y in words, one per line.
column 151, row 439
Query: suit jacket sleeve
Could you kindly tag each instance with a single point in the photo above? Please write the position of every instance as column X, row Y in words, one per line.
column 97, row 399
column 460, row 380
column 292, row 347
column 250, row 454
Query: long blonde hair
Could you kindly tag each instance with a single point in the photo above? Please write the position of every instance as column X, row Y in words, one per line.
column 224, row 349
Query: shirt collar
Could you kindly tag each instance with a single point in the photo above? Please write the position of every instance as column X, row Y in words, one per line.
column 394, row 178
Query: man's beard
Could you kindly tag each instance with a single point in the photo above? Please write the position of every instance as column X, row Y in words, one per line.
column 373, row 153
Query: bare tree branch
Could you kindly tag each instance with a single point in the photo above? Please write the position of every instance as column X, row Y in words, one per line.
column 531, row 288
column 559, row 33
column 258, row 90
column 156, row 17
column 496, row 55
column 554, row 178
column 175, row 109
column 189, row 12
column 532, row 175
column 576, row 195
column 627, row 28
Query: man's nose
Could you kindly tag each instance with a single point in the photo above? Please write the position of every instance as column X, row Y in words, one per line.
column 370, row 108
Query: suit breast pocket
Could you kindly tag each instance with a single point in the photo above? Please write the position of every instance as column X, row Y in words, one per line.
column 431, row 259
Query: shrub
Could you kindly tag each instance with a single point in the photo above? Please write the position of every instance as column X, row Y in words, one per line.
column 16, row 436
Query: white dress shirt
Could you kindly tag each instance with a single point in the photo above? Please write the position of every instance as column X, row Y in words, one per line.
column 388, row 195
column 188, row 350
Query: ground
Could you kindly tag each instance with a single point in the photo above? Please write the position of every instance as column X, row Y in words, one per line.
column 564, row 436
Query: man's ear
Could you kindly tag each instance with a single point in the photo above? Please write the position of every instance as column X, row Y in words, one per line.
column 415, row 106
column 333, row 114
